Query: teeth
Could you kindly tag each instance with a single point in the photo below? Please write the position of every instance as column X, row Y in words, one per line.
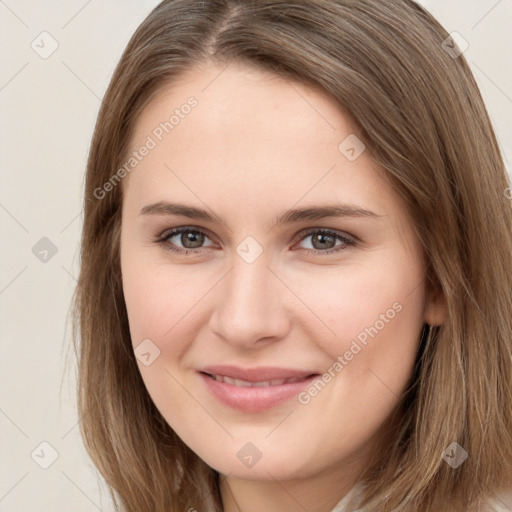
column 261, row 384
column 237, row 382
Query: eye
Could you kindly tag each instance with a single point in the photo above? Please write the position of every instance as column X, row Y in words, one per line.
column 323, row 241
column 191, row 239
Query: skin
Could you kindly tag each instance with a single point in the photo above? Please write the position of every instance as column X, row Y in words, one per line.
column 255, row 146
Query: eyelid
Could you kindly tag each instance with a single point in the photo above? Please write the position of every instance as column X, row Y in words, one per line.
column 331, row 231
column 166, row 233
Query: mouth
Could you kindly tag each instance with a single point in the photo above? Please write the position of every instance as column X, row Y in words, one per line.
column 265, row 390
column 258, row 384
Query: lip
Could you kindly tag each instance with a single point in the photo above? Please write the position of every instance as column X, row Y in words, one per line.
column 255, row 399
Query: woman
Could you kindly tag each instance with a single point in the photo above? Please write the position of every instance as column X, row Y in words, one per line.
column 224, row 364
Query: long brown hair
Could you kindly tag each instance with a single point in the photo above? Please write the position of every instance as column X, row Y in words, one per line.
column 422, row 118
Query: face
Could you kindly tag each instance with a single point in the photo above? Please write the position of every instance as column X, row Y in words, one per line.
column 260, row 243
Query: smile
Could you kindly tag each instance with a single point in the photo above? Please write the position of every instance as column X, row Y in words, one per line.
column 248, row 384
column 254, row 396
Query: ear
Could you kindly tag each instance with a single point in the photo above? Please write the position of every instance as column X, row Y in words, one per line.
column 436, row 308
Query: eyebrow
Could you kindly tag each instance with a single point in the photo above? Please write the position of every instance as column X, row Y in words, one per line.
column 288, row 217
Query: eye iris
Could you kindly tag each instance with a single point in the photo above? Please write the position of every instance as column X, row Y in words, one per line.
column 322, row 237
column 194, row 237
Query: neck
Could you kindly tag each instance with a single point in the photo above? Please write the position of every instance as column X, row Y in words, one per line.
column 314, row 494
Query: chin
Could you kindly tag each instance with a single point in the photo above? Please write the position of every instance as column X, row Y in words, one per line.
column 246, row 463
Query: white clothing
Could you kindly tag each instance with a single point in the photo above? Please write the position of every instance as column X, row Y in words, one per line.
column 501, row 503
column 340, row 506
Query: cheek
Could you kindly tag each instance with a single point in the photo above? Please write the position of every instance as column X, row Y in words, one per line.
column 153, row 307
column 375, row 316
column 163, row 301
column 364, row 303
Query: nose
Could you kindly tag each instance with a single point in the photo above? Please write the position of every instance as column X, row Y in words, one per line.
column 250, row 307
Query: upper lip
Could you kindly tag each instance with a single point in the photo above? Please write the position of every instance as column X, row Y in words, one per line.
column 258, row 374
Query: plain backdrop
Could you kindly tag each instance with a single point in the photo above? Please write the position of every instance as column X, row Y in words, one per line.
column 48, row 105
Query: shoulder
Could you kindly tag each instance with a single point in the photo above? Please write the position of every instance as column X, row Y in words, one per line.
column 501, row 502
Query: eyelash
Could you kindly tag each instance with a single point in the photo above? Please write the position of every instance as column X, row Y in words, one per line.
column 163, row 240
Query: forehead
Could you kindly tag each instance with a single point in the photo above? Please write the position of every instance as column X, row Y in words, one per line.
column 249, row 101
column 252, row 136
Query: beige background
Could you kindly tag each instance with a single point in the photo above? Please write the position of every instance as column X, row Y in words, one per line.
column 48, row 109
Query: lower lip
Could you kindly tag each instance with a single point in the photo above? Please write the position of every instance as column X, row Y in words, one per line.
column 254, row 399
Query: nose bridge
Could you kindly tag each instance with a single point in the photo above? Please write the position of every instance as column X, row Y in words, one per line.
column 248, row 283
column 247, row 308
